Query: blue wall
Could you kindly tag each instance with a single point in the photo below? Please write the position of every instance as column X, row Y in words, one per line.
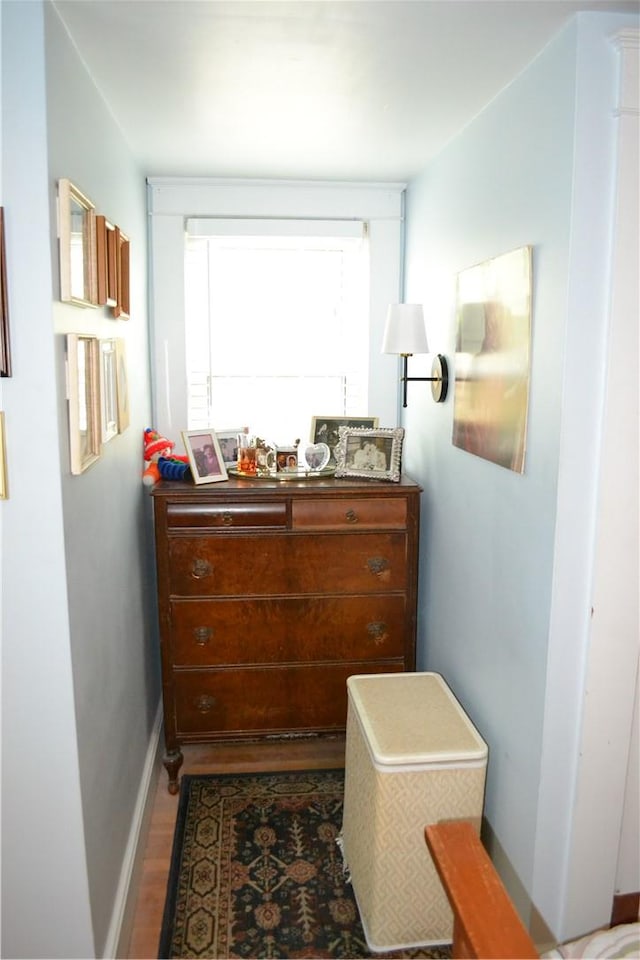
column 489, row 552
column 81, row 678
column 107, row 511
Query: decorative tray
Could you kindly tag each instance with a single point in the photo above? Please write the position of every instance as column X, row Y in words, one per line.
column 284, row 475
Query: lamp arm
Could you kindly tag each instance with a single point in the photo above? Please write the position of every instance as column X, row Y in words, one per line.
column 443, row 379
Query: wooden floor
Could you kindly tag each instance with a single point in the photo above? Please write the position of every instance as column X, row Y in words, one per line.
column 287, row 754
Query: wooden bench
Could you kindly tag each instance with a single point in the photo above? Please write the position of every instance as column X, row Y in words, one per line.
column 486, row 924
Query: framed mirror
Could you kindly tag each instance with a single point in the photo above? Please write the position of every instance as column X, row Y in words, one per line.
column 77, row 233
column 83, row 378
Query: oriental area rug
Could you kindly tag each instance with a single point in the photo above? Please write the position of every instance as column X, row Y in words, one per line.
column 256, row 871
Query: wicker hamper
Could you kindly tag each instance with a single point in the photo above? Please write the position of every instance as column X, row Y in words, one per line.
column 412, row 758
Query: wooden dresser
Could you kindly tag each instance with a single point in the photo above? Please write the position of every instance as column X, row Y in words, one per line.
column 271, row 594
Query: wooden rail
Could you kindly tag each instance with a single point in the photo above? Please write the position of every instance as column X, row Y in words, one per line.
column 486, row 924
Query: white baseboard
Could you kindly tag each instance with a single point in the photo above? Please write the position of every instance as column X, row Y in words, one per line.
column 119, row 934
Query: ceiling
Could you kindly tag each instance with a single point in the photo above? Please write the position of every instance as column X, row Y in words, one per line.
column 305, row 89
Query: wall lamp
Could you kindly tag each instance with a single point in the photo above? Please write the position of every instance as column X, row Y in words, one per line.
column 404, row 335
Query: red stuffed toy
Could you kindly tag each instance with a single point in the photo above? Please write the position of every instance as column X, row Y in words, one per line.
column 159, row 459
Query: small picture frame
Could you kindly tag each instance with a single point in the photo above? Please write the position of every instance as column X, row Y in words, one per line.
column 106, row 256
column 286, row 460
column 122, row 384
column 327, row 429
column 205, row 456
column 122, row 252
column 83, row 393
column 228, row 440
column 369, row 454
column 108, row 389
column 317, row 456
column 77, row 239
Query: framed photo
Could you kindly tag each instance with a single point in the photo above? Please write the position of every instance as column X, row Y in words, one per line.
column 83, row 379
column 5, row 353
column 77, row 237
column 370, row 454
column 228, row 440
column 205, row 456
column 326, row 429
column 286, row 460
column 108, row 389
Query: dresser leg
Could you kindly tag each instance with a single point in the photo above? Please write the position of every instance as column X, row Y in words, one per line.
column 173, row 762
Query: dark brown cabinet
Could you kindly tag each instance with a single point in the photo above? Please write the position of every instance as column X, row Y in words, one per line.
column 271, row 594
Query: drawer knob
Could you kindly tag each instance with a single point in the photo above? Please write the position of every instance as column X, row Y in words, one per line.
column 377, row 630
column 378, row 565
column 202, row 635
column 352, row 516
column 201, row 568
column 227, row 518
column 204, row 703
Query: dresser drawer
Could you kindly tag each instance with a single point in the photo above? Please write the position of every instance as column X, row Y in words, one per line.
column 223, row 515
column 287, row 630
column 284, row 565
column 266, row 700
column 349, row 514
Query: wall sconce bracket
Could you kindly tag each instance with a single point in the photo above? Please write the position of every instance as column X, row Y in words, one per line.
column 439, row 378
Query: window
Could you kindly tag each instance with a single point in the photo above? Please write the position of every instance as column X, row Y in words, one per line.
column 209, row 207
column 276, row 323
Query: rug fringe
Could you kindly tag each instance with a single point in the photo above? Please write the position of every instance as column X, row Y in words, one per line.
column 345, row 865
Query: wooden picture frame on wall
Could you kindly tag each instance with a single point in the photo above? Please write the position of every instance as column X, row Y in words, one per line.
column 77, row 242
column 122, row 385
column 83, row 393
column 122, row 307
column 107, row 262
column 5, row 350
column 108, row 389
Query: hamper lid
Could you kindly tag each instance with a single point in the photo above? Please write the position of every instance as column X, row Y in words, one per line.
column 411, row 718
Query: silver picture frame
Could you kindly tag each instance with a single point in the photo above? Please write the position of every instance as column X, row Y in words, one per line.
column 369, row 454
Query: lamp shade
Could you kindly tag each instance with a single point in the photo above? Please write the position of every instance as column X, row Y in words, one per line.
column 404, row 330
